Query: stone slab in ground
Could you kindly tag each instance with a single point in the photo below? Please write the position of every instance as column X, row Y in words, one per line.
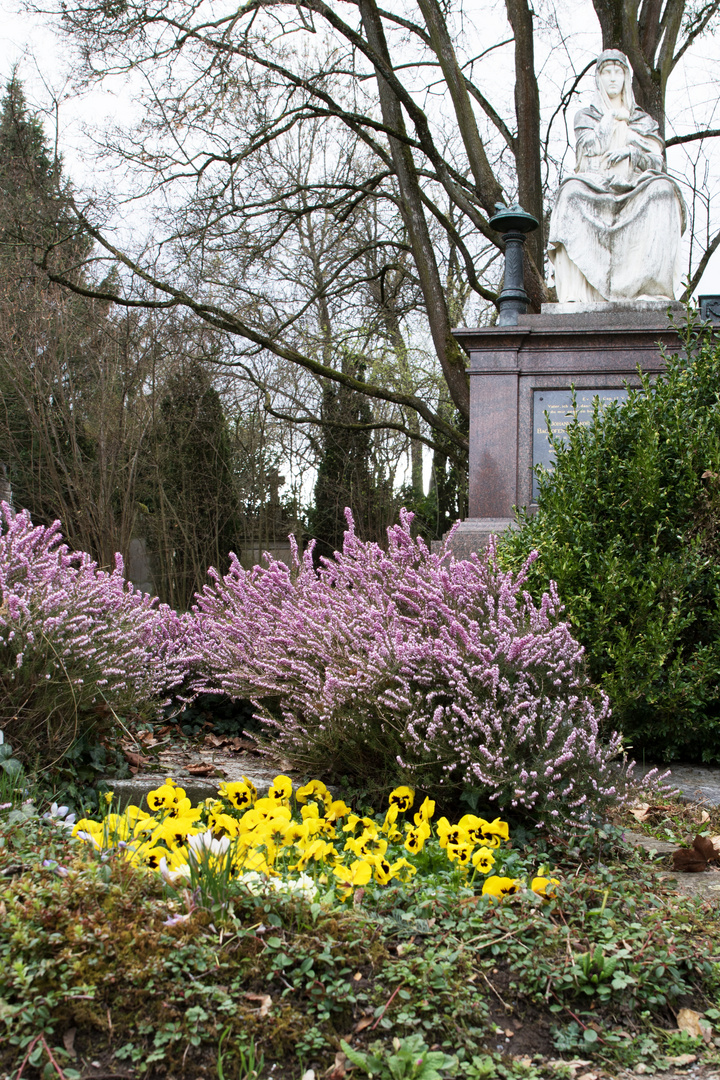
column 703, row 886
column 698, row 783
column 178, row 763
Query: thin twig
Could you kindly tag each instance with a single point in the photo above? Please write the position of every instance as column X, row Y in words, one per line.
column 495, row 992
column 387, row 1005
column 30, row 1049
column 494, row 941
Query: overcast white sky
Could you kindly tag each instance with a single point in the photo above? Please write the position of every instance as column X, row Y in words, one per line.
column 44, row 61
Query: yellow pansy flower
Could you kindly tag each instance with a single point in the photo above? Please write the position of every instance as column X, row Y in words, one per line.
column 403, row 869
column 425, row 812
column 161, row 798
column 500, row 887
column 255, row 860
column 403, row 798
column 250, row 819
column 545, row 887
column 382, row 871
column 495, row 830
column 146, row 855
column 483, row 860
column 222, row 825
column 175, row 831
column 92, row 831
column 317, row 851
column 474, row 827
column 314, row 790
column 299, row 834
column 267, row 807
column 459, row 852
column 182, row 808
column 337, row 810
column 278, row 828
column 415, row 839
column 281, row 789
column 241, row 793
column 356, row 874
column 353, row 821
column 368, row 843
column 451, row 834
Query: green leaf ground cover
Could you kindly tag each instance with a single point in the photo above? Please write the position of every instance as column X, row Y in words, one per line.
column 424, row 978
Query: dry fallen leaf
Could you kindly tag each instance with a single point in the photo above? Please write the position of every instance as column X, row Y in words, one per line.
column 575, row 1064
column 136, row 760
column 640, row 811
column 692, row 1023
column 215, row 740
column 265, row 1003
column 509, row 1033
column 695, row 859
column 204, row 770
column 69, row 1041
column 704, row 816
column 588, row 1076
column 364, row 1022
column 683, row 1059
column 357, row 976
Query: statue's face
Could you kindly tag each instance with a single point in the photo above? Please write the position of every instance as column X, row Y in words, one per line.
column 612, row 77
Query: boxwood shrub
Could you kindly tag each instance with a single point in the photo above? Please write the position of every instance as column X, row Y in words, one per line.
column 628, row 526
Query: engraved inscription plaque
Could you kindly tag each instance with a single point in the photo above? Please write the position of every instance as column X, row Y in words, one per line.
column 558, row 405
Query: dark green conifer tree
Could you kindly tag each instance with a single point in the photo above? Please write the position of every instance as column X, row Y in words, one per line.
column 194, row 507
column 347, row 476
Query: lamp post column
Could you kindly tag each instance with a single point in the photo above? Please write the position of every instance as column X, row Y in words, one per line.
column 514, row 224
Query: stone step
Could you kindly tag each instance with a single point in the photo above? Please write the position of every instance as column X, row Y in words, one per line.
column 134, row 790
column 176, row 762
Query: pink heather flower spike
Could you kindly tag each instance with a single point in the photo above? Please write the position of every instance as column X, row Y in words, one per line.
column 64, row 621
column 444, row 666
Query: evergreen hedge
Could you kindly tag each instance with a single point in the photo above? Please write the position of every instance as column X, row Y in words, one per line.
column 628, row 526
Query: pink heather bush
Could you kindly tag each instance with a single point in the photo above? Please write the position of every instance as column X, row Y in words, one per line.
column 406, row 665
column 73, row 640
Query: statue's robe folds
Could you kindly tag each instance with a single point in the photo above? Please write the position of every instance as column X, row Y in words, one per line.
column 615, row 230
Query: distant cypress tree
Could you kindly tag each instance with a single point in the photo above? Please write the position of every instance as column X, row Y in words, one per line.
column 346, row 474
column 39, row 326
column 33, row 193
column 194, row 504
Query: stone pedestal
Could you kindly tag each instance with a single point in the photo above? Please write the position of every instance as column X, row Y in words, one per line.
column 517, row 372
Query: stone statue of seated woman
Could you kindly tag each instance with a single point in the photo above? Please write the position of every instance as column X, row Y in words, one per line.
column 617, row 222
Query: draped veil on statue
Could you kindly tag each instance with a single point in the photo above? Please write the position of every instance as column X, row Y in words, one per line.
column 615, row 229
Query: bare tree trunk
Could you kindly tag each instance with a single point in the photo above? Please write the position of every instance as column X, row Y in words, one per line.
column 527, row 112
column 450, row 355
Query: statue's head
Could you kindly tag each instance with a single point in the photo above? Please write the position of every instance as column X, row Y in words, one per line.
column 613, row 78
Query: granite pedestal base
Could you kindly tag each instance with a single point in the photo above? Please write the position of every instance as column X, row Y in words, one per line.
column 517, row 372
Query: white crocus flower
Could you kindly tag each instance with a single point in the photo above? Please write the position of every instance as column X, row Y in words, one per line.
column 206, row 842
column 172, row 876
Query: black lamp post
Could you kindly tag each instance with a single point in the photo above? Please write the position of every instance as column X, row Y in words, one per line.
column 514, row 223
